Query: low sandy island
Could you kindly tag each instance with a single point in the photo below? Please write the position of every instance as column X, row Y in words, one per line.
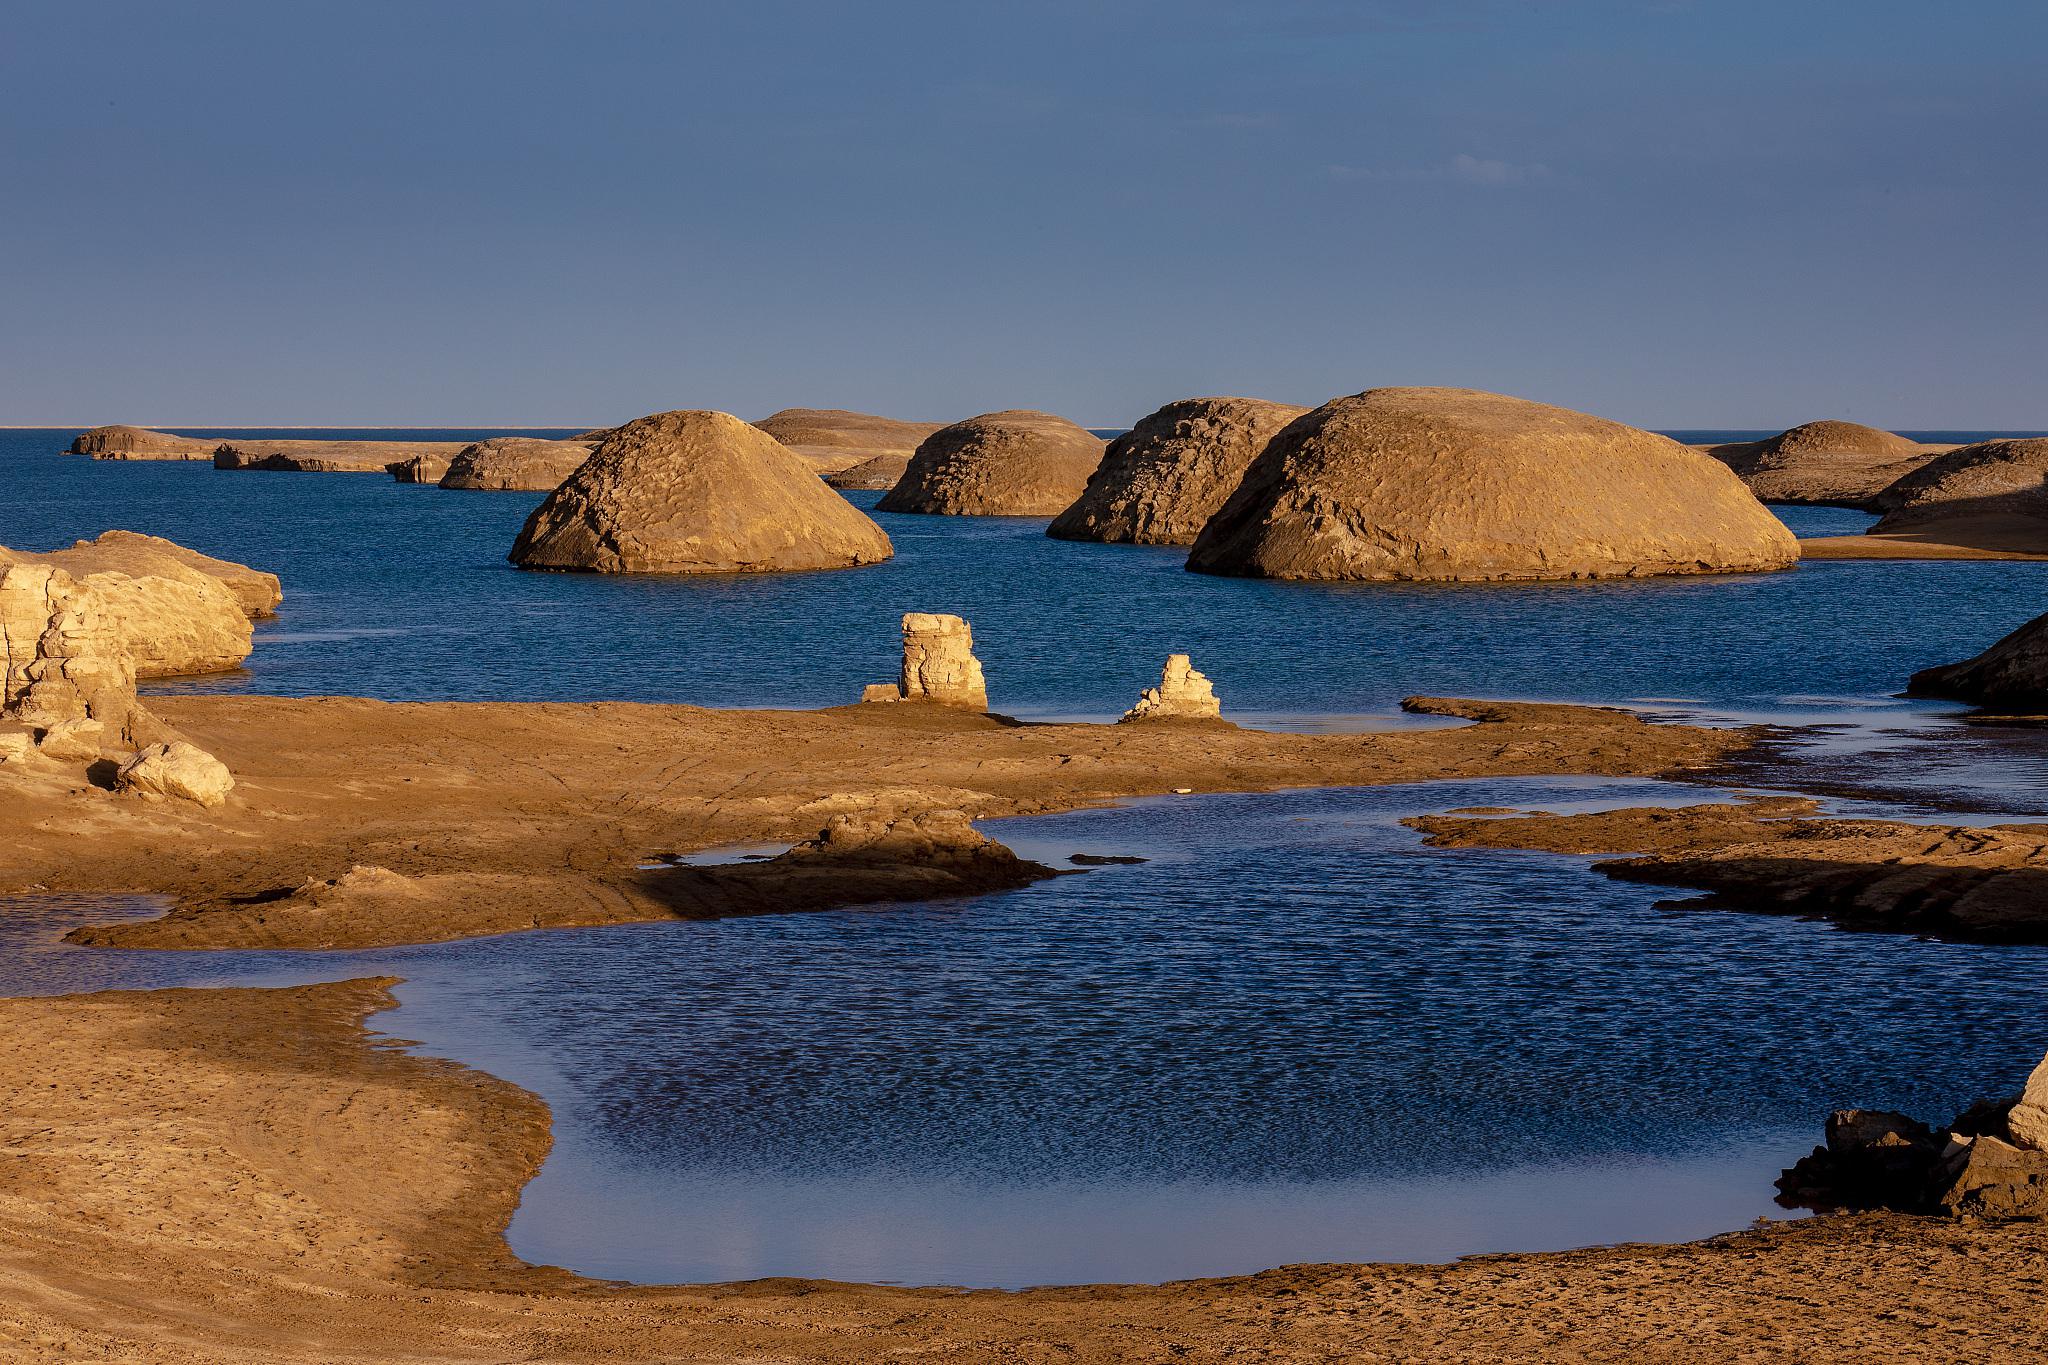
column 249, row 1175
column 1976, row 537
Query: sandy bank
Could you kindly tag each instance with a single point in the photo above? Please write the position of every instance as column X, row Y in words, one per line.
column 499, row 817
column 244, row 1175
column 1778, row 855
column 1962, row 537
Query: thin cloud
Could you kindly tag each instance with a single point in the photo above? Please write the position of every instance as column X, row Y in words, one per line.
column 1464, row 168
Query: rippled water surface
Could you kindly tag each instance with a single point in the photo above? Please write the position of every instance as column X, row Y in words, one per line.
column 1293, row 1035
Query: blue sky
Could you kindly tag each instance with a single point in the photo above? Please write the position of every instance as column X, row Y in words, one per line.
column 1675, row 214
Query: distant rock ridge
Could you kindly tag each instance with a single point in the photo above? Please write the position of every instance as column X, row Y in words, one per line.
column 1160, row 482
column 1827, row 463
column 1456, row 485
column 141, row 443
column 831, row 440
column 1001, row 464
column 691, row 492
column 515, row 464
column 1991, row 478
column 328, row 457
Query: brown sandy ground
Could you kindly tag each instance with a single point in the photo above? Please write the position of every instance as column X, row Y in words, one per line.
column 1775, row 854
column 487, row 818
column 1956, row 537
column 244, row 1176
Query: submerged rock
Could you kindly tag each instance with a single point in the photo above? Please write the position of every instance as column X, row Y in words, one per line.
column 1420, row 484
column 177, row 771
column 1827, row 462
column 1183, row 693
column 2011, row 675
column 1000, row 464
column 1161, row 481
column 696, row 492
column 140, row 443
column 939, row 663
column 516, row 464
column 831, row 440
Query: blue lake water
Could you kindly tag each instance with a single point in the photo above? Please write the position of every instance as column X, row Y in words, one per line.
column 402, row 592
column 1294, row 1035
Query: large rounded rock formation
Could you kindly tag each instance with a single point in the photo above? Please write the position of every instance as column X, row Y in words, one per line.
column 2011, row 675
column 1827, row 462
column 1426, row 484
column 515, row 464
column 2007, row 478
column 1000, row 464
column 696, row 492
column 832, row 439
column 1161, row 481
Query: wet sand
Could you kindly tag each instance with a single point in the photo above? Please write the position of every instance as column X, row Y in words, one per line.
column 1974, row 537
column 499, row 817
column 245, row 1175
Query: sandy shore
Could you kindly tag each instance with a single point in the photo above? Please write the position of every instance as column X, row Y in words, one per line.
column 497, row 817
column 1980, row 537
column 249, row 1175
column 245, row 1175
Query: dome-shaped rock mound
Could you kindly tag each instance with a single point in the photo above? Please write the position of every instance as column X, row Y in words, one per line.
column 1000, row 464
column 696, row 492
column 1988, row 479
column 2011, row 675
column 1161, row 481
column 1455, row 485
column 1824, row 462
column 832, row 439
column 524, row 464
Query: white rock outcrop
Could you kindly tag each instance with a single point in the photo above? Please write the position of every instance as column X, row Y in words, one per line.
column 178, row 771
column 2028, row 1121
column 939, row 663
column 1183, row 693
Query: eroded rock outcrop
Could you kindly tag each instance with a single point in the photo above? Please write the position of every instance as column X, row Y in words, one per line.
column 939, row 663
column 1988, row 478
column 420, row 469
column 1161, row 481
column 1828, row 462
column 1424, row 484
column 1001, row 464
column 1990, row 1162
column 141, row 556
column 172, row 619
column 831, row 440
column 328, row 457
column 177, row 771
column 696, row 492
column 876, row 472
column 2011, row 675
column 516, row 464
column 1183, row 693
column 140, row 443
column 64, row 658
